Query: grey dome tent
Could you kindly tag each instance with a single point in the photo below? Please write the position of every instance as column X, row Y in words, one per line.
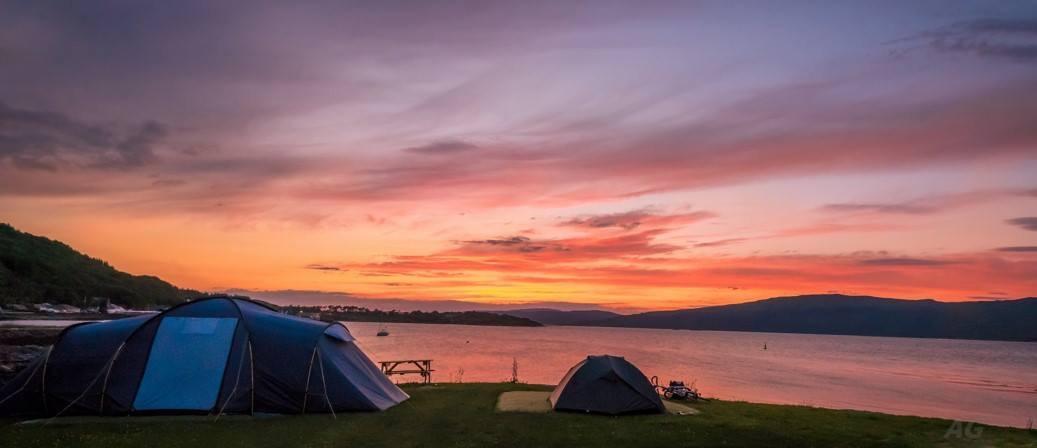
column 606, row 385
column 213, row 355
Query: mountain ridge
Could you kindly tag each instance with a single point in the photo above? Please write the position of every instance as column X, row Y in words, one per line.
column 550, row 316
column 1011, row 320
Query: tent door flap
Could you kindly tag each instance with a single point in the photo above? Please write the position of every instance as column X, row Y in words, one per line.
column 185, row 367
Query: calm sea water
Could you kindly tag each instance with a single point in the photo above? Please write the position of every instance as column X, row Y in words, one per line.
column 982, row 381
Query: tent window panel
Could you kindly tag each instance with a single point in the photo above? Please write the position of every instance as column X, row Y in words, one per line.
column 185, row 368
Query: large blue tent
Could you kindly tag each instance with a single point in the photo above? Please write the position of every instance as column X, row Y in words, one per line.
column 217, row 355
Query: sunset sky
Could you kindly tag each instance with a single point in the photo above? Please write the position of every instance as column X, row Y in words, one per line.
column 641, row 155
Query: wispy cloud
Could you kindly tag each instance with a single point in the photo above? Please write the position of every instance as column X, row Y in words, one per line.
column 45, row 140
column 908, row 209
column 443, row 147
column 1009, row 38
column 719, row 243
column 903, row 262
column 637, row 218
column 1017, row 249
column 578, row 249
column 1026, row 222
column 930, row 204
column 324, row 267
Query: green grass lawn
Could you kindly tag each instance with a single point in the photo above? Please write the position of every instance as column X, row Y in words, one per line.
column 462, row 415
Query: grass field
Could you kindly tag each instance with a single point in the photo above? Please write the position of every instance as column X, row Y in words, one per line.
column 462, row 415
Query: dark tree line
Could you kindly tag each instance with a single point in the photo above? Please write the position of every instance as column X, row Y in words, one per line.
column 361, row 314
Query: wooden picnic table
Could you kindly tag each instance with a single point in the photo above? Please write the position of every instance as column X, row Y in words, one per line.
column 421, row 367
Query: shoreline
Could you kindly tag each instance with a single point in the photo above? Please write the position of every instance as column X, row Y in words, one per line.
column 20, row 315
column 20, row 346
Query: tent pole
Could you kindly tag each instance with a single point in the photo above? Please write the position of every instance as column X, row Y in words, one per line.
column 43, row 379
column 309, row 371
column 237, row 378
column 325, row 384
column 251, row 357
column 234, row 390
column 104, row 387
column 252, row 378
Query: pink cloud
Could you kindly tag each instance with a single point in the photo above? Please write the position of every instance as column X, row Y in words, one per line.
column 637, row 218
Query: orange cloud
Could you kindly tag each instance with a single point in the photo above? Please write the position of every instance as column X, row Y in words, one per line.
column 632, row 262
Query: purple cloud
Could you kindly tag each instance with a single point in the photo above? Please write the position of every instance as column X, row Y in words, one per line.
column 1017, row 249
column 443, row 147
column 903, row 262
column 1026, row 222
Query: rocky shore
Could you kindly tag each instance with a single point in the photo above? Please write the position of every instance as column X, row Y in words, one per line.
column 20, row 346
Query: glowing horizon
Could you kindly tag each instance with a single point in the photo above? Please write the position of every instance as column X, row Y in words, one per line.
column 635, row 156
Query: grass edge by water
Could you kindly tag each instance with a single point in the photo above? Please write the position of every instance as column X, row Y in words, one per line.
column 459, row 415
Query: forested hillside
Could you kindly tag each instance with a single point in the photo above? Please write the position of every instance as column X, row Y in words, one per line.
column 35, row 269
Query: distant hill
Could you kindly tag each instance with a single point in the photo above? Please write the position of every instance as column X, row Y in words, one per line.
column 35, row 269
column 361, row 314
column 548, row 316
column 1008, row 320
